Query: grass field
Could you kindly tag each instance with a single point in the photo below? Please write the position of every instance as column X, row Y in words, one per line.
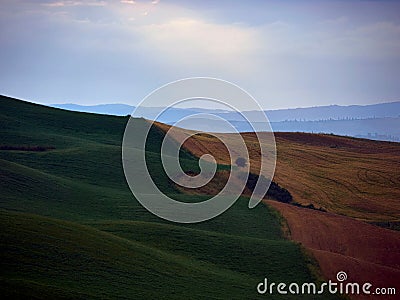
column 71, row 229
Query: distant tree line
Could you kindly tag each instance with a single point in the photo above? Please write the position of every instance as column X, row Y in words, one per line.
column 331, row 119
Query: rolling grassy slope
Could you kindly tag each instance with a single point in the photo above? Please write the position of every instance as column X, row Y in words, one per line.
column 48, row 258
column 70, row 227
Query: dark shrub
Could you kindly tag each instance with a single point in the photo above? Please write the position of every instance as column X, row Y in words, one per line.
column 275, row 191
column 240, row 162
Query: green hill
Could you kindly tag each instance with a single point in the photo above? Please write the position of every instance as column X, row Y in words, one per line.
column 70, row 227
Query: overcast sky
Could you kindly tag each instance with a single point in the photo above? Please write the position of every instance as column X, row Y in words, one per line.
column 284, row 53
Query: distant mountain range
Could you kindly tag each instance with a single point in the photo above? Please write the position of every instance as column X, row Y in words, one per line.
column 391, row 109
column 375, row 121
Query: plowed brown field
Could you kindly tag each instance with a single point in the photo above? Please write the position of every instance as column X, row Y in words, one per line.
column 365, row 252
column 352, row 177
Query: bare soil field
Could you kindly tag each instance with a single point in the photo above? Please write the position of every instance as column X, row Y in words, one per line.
column 365, row 252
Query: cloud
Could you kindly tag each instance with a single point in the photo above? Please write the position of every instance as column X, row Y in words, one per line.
column 55, row 4
column 174, row 34
column 74, row 3
column 196, row 42
column 179, row 37
column 127, row 1
column 280, row 53
column 367, row 41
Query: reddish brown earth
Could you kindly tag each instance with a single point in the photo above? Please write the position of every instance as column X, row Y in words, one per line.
column 365, row 252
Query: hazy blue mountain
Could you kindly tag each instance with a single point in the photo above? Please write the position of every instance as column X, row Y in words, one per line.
column 386, row 129
column 336, row 112
column 391, row 109
column 168, row 116
column 376, row 121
